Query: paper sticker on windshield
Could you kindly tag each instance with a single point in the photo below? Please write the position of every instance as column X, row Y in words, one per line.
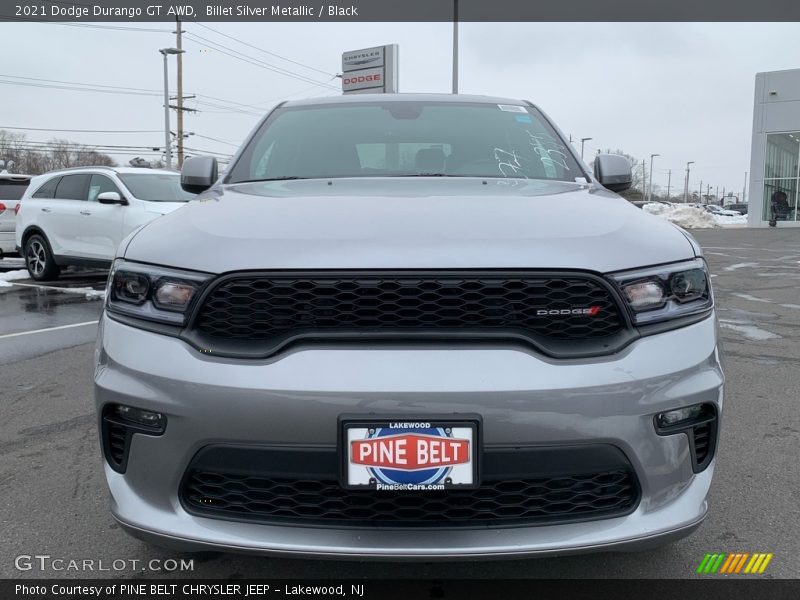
column 512, row 108
column 523, row 118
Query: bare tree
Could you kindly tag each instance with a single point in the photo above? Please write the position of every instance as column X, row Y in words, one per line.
column 56, row 154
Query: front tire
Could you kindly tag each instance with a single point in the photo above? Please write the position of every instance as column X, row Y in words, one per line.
column 39, row 259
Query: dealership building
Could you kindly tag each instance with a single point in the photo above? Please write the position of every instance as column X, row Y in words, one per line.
column 775, row 153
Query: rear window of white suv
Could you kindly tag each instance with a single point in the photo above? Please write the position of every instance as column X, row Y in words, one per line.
column 13, row 189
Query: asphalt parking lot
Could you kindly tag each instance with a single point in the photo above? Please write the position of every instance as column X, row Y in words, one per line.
column 55, row 501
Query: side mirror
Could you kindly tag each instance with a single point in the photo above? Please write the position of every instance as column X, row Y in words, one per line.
column 111, row 198
column 198, row 174
column 613, row 172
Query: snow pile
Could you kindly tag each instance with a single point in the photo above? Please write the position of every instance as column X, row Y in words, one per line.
column 12, row 276
column 692, row 217
column 723, row 220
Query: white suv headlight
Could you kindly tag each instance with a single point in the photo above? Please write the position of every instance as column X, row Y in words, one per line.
column 153, row 293
column 666, row 292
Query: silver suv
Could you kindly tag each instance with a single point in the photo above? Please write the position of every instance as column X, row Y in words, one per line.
column 409, row 326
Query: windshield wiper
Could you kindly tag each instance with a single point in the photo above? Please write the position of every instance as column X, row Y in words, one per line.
column 437, row 175
column 284, row 178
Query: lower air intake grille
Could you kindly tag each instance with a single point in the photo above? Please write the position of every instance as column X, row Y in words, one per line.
column 496, row 503
column 702, row 441
column 117, row 442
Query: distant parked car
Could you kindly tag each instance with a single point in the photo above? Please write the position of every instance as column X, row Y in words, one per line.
column 740, row 208
column 12, row 188
column 79, row 216
column 718, row 210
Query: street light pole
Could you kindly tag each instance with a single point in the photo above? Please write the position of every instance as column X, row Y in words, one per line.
column 744, row 189
column 455, row 46
column 167, row 142
column 686, row 186
column 583, row 141
column 669, row 183
column 650, row 187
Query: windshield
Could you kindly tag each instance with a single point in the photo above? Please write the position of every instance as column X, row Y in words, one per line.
column 156, row 187
column 379, row 139
column 11, row 189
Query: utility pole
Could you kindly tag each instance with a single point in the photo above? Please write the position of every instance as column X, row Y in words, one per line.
column 167, row 141
column 708, row 191
column 455, row 46
column 178, row 40
column 700, row 193
column 644, row 180
column 686, row 183
column 650, row 187
column 744, row 189
column 716, row 195
column 669, row 183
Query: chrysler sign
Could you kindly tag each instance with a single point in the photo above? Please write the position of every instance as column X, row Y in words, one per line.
column 370, row 70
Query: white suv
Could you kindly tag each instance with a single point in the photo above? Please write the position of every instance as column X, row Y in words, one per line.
column 80, row 216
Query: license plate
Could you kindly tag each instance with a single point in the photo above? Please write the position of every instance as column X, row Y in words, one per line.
column 409, row 455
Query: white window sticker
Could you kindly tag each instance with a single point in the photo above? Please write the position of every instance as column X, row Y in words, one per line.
column 512, row 108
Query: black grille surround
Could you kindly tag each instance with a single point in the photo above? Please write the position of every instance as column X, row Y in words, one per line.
column 256, row 314
column 116, row 435
column 294, row 487
column 702, row 433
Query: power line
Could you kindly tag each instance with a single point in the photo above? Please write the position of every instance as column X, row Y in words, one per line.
column 84, row 130
column 81, row 145
column 208, row 151
column 254, row 61
column 205, row 137
column 112, row 89
column 111, row 27
column 74, row 88
column 264, row 51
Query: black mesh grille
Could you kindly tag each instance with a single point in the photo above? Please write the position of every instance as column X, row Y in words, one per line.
column 702, row 441
column 495, row 503
column 117, row 441
column 266, row 308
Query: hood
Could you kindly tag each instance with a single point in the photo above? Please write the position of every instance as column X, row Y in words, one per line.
column 414, row 223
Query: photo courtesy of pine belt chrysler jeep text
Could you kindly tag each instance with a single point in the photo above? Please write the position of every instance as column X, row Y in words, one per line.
column 408, row 326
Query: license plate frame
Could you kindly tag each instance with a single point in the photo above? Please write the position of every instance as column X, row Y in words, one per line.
column 412, row 478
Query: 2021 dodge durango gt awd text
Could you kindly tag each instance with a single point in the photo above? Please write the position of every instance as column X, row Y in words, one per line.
column 408, row 326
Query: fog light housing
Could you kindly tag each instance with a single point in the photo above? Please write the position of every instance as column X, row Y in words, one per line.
column 146, row 418
column 119, row 424
column 699, row 422
column 679, row 415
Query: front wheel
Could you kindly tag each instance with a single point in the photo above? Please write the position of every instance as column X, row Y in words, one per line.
column 39, row 260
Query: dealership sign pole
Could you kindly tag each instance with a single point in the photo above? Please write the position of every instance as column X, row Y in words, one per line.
column 370, row 70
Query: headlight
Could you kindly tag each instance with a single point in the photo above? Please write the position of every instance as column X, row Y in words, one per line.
column 667, row 292
column 154, row 293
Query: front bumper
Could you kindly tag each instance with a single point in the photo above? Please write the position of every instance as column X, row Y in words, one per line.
column 294, row 401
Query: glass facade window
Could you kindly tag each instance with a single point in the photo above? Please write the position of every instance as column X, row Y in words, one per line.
column 782, row 176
